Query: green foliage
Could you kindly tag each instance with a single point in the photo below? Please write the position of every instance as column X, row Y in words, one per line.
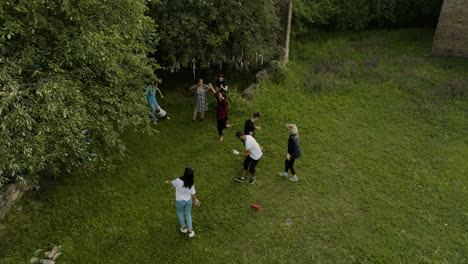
column 70, row 66
column 307, row 13
column 214, row 32
column 365, row 14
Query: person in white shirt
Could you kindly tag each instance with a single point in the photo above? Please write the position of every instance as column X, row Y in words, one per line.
column 253, row 153
column 185, row 193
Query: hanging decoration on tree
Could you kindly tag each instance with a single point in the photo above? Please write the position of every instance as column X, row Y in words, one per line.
column 193, row 67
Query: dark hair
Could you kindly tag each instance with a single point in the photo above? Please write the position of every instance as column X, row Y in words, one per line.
column 188, row 178
column 239, row 134
column 256, row 115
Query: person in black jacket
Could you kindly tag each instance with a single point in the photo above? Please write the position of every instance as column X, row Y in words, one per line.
column 294, row 152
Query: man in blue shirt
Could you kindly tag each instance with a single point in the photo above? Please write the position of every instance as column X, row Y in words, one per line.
column 151, row 98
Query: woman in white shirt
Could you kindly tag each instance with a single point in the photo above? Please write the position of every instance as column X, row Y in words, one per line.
column 185, row 193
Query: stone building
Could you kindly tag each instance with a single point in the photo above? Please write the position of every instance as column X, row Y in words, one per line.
column 451, row 36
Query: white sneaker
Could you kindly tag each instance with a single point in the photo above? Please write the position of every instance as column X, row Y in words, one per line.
column 183, row 229
column 191, row 234
column 294, row 178
column 283, row 174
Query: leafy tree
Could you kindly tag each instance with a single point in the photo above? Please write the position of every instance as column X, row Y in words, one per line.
column 67, row 67
column 215, row 31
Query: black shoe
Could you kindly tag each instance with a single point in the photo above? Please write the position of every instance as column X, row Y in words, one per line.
column 252, row 180
column 240, row 179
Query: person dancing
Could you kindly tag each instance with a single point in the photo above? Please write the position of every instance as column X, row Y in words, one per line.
column 294, row 152
column 221, row 112
column 253, row 153
column 201, row 104
column 185, row 194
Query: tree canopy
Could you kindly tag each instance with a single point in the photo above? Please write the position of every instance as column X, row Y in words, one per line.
column 213, row 32
column 71, row 75
column 364, row 14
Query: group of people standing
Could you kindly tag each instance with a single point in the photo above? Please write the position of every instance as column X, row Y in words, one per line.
column 200, row 91
column 185, row 185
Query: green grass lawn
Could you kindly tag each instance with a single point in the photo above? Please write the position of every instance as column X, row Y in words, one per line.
column 383, row 176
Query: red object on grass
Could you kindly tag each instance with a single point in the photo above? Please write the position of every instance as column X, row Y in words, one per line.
column 255, row 207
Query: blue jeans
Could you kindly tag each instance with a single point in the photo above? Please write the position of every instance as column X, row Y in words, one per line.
column 187, row 205
column 154, row 106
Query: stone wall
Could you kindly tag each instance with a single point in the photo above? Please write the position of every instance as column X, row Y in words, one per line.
column 9, row 193
column 452, row 30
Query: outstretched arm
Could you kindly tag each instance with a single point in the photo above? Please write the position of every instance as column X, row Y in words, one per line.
column 160, row 93
column 246, row 153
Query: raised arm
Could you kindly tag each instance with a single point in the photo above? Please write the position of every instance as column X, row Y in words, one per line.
column 193, row 88
column 210, row 87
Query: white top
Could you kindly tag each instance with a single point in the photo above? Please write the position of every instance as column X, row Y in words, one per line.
column 252, row 145
column 182, row 193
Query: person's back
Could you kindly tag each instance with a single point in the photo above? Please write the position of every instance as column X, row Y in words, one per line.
column 252, row 145
column 183, row 193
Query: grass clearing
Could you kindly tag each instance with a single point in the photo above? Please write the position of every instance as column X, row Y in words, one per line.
column 382, row 177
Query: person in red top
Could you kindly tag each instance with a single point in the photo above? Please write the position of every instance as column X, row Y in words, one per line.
column 221, row 112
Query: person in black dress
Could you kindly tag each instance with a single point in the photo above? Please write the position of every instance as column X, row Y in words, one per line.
column 222, row 85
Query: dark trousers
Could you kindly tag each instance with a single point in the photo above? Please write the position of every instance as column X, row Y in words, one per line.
column 250, row 164
column 289, row 165
column 221, row 126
